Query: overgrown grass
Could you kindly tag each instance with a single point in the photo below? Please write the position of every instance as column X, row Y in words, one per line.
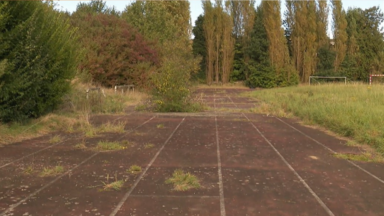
column 57, row 170
column 183, row 181
column 110, row 146
column 112, row 128
column 365, row 157
column 355, row 111
column 73, row 115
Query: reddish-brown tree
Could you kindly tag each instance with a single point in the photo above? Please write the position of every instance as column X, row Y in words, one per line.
column 115, row 52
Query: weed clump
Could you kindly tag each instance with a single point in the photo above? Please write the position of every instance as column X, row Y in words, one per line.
column 134, row 169
column 52, row 171
column 183, row 181
column 109, row 146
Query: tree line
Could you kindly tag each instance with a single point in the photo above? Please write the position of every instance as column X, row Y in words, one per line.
column 149, row 44
column 266, row 51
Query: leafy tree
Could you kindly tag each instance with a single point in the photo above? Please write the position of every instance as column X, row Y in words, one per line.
column 115, row 52
column 38, row 58
column 167, row 23
column 365, row 43
column 95, row 7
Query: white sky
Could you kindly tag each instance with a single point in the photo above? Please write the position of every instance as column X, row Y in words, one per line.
column 196, row 7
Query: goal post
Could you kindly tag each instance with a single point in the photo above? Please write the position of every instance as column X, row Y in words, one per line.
column 327, row 77
column 374, row 75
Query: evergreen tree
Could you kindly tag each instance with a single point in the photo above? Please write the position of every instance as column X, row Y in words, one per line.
column 38, row 58
column 199, row 45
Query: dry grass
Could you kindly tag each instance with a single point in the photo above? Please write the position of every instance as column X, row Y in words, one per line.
column 55, row 139
column 112, row 128
column 236, row 85
column 73, row 115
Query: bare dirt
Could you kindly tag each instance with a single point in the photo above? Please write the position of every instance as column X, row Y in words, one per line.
column 247, row 164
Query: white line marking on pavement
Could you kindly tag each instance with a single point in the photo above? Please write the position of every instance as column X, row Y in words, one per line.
column 329, row 149
column 122, row 201
column 221, row 186
column 12, row 207
column 325, row 207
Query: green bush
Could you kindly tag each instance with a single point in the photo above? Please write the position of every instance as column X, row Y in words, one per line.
column 171, row 92
column 38, row 59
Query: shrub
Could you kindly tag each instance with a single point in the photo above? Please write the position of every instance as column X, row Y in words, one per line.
column 38, row 59
column 171, row 92
column 115, row 53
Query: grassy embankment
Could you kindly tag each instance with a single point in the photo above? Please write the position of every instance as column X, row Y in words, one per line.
column 353, row 111
column 72, row 116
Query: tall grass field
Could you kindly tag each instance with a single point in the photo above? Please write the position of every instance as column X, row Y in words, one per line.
column 355, row 110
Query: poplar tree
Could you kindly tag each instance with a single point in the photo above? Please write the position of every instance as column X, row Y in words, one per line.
column 301, row 18
column 228, row 44
column 278, row 52
column 209, row 30
column 322, row 23
column 339, row 32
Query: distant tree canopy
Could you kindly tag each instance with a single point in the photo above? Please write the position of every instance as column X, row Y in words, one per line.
column 38, row 59
column 114, row 52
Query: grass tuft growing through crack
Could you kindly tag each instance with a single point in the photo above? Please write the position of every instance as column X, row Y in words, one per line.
column 148, row 146
column 52, row 171
column 134, row 169
column 116, row 185
column 29, row 170
column 183, row 181
column 110, row 146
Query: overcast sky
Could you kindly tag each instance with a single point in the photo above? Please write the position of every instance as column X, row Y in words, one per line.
column 196, row 8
